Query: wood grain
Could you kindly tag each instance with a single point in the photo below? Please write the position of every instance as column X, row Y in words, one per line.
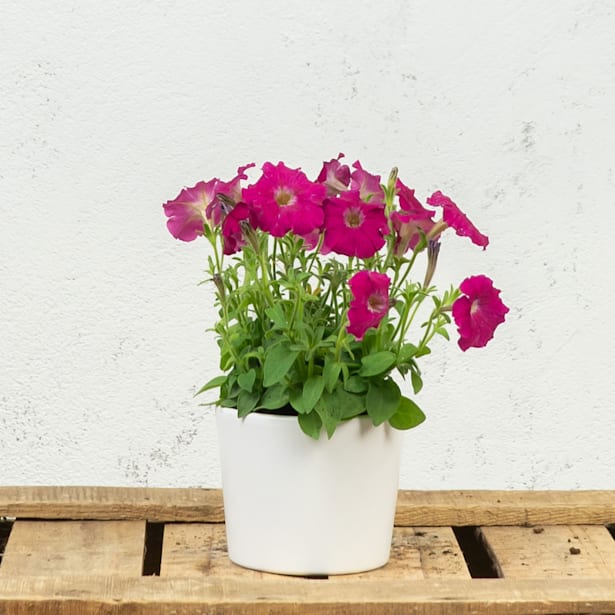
column 421, row 553
column 414, row 508
column 54, row 548
column 196, row 549
column 232, row 595
column 579, row 551
column 118, row 503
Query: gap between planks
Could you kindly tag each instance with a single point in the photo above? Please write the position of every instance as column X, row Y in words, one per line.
column 414, row 508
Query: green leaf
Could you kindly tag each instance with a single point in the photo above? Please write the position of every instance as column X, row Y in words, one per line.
column 331, row 373
column 330, row 418
column 312, row 392
column 417, row 381
column 310, row 424
column 274, row 397
column 246, row 380
column 421, row 352
column 226, row 360
column 377, row 363
column 212, row 384
column 278, row 361
column 356, row 384
column 346, row 404
column 295, row 399
column 382, row 400
column 443, row 332
column 408, row 415
column 406, row 352
column 246, row 402
column 276, row 313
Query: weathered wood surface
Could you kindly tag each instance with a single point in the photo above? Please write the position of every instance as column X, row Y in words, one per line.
column 579, row 551
column 552, row 549
column 414, row 508
column 55, row 548
column 81, row 595
column 193, row 549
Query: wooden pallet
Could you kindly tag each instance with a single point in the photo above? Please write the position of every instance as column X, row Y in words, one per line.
column 81, row 551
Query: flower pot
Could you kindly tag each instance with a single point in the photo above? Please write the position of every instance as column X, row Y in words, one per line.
column 295, row 505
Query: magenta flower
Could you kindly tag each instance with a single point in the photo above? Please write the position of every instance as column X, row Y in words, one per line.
column 334, row 175
column 367, row 184
column 457, row 220
column 370, row 303
column 353, row 227
column 411, row 220
column 232, row 190
column 187, row 212
column 193, row 207
column 233, row 228
column 478, row 312
column 286, row 200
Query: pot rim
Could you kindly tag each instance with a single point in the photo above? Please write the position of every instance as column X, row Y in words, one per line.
column 273, row 416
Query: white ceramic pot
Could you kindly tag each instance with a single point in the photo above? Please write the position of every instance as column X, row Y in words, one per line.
column 295, row 505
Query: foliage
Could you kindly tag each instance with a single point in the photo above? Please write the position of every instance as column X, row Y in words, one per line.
column 315, row 293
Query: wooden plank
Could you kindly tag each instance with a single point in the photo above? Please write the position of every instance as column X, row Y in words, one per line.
column 414, row 508
column 197, row 549
column 461, row 508
column 421, row 553
column 232, row 595
column 579, row 551
column 52, row 548
column 119, row 503
column 194, row 549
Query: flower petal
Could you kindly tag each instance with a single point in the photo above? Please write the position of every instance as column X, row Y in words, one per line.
column 457, row 220
column 478, row 312
column 370, row 303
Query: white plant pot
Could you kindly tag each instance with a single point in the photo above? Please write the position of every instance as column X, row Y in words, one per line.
column 295, row 505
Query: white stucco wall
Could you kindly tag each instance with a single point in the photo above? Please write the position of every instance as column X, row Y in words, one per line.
column 108, row 108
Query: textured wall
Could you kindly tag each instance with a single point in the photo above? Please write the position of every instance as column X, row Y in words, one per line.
column 108, row 108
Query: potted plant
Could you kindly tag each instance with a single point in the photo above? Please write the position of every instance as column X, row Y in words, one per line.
column 319, row 306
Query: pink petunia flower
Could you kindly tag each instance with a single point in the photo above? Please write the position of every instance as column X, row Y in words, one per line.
column 231, row 190
column 187, row 212
column 368, row 185
column 233, row 227
column 370, row 303
column 457, row 220
column 411, row 220
column 194, row 207
column 286, row 200
column 353, row 227
column 478, row 312
column 334, row 175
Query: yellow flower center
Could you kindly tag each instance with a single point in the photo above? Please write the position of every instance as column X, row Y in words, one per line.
column 353, row 217
column 284, row 197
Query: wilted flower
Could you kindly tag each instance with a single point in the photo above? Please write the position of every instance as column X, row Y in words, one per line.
column 334, row 175
column 411, row 220
column 368, row 185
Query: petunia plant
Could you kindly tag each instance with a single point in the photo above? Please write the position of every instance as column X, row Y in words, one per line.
column 318, row 299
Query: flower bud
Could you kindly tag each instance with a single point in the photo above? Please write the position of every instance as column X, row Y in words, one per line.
column 433, row 249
